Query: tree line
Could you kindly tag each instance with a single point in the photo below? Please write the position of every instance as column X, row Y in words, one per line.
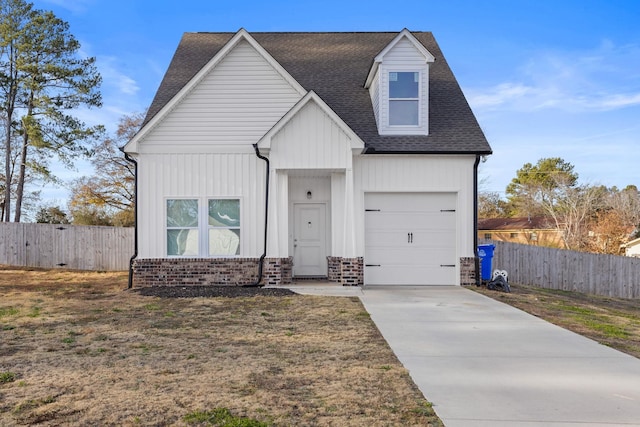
column 44, row 82
column 591, row 218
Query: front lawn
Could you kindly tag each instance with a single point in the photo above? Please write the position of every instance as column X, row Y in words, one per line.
column 77, row 349
column 610, row 321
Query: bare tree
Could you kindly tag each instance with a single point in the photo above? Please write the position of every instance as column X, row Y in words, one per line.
column 107, row 195
column 571, row 207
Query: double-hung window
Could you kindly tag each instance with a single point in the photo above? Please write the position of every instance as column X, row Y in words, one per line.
column 224, row 227
column 404, row 98
column 182, row 227
column 204, row 229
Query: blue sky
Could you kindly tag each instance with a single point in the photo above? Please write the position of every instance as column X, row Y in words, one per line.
column 545, row 78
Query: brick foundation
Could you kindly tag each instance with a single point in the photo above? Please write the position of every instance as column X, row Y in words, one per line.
column 346, row 271
column 468, row 271
column 209, row 271
column 277, row 271
column 333, row 265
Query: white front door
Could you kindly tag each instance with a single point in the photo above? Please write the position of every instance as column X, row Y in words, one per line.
column 310, row 239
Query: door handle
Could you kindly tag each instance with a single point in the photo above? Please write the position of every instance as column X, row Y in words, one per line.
column 409, row 237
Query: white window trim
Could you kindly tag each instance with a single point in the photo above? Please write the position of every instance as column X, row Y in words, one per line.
column 203, row 226
column 205, row 249
column 423, row 98
column 167, row 228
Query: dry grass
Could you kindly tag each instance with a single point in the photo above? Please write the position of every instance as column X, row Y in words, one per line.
column 610, row 321
column 75, row 349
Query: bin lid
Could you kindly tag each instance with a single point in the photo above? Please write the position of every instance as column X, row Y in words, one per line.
column 487, row 245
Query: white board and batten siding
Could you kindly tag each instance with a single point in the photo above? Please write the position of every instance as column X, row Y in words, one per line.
column 311, row 140
column 203, row 147
column 200, row 176
column 437, row 185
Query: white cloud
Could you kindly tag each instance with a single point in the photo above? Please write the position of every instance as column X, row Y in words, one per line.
column 498, row 95
column 621, row 100
column 115, row 79
column 605, row 78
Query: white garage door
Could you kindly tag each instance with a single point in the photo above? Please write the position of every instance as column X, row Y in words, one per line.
column 410, row 239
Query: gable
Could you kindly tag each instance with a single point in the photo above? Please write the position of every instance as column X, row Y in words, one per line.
column 405, row 53
column 405, row 50
column 232, row 101
column 311, row 136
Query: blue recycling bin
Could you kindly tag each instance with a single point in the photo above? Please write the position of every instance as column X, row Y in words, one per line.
column 485, row 253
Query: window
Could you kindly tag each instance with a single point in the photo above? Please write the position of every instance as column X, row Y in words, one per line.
column 487, row 236
column 214, row 232
column 404, row 104
column 182, row 227
column 224, row 227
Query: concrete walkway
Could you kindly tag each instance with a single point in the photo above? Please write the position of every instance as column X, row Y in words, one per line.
column 484, row 363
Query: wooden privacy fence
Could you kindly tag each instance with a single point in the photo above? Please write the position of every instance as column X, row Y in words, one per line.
column 66, row 246
column 607, row 275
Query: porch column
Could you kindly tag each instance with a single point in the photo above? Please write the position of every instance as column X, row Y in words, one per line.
column 277, row 232
column 349, row 239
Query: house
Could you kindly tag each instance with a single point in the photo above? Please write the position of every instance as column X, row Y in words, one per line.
column 270, row 157
column 537, row 230
column 632, row 248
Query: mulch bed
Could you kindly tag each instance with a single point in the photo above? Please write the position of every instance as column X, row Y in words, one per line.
column 211, row 291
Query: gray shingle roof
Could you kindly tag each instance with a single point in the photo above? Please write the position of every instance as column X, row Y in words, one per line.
column 335, row 66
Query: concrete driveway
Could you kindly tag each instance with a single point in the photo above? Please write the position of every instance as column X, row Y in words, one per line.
column 483, row 363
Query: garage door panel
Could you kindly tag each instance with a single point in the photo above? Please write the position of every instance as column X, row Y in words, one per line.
column 410, row 238
column 396, row 256
column 393, row 238
column 417, row 242
column 425, row 220
column 438, row 238
column 411, row 202
column 420, row 275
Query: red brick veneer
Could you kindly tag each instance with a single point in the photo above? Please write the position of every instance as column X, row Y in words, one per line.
column 209, row 271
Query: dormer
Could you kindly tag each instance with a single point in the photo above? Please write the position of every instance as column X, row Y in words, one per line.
column 398, row 83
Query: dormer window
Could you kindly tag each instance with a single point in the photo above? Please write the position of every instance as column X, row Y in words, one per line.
column 404, row 98
column 398, row 84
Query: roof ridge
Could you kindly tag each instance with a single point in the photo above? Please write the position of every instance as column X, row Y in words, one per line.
column 306, row 32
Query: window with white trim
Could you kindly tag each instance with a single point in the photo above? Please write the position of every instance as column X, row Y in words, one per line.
column 224, row 227
column 404, row 98
column 182, row 227
column 197, row 229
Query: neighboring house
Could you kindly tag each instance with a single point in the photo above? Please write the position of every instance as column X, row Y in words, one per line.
column 531, row 231
column 372, row 163
column 632, row 248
